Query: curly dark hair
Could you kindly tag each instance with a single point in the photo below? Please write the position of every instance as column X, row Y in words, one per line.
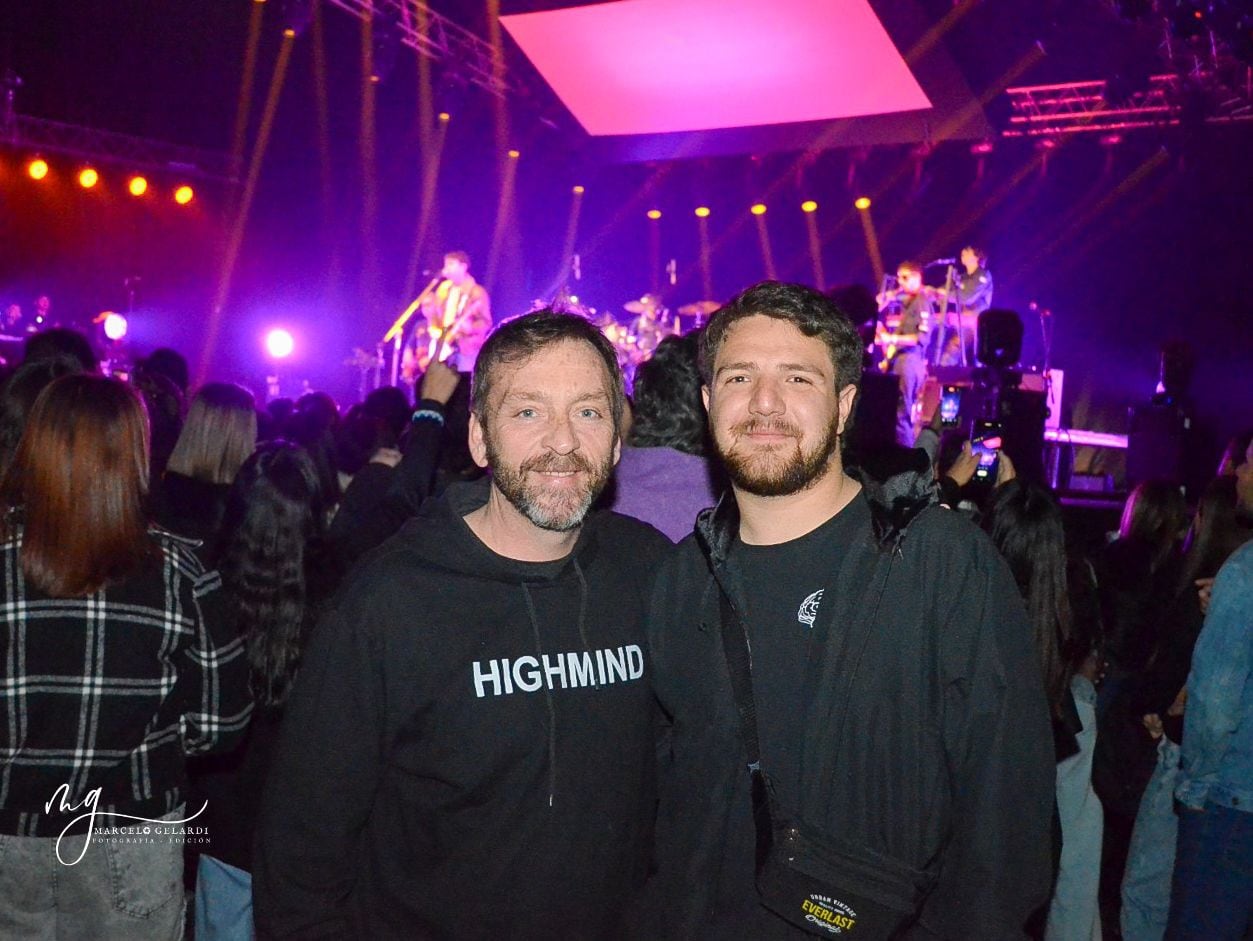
column 668, row 412
column 810, row 311
column 270, row 551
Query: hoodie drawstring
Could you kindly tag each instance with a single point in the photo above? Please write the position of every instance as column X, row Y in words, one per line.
column 548, row 693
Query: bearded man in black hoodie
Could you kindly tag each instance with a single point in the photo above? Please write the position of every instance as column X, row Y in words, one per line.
column 859, row 735
column 468, row 751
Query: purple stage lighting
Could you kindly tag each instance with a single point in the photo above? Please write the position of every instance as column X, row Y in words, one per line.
column 279, row 344
column 115, row 326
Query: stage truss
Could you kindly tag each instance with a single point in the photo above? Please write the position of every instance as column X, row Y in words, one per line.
column 440, row 39
column 42, row 136
column 1089, row 107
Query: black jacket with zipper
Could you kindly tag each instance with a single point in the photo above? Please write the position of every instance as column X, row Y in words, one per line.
column 468, row 751
column 943, row 759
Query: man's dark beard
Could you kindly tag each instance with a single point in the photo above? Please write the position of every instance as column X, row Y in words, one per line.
column 512, row 483
column 801, row 470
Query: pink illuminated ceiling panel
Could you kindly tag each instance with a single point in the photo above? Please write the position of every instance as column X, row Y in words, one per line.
column 656, row 66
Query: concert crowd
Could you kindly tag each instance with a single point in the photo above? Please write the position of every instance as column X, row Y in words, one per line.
column 508, row 653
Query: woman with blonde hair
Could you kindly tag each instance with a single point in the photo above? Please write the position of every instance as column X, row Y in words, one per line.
column 218, row 436
column 115, row 670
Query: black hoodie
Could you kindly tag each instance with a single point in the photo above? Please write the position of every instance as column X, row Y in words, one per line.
column 468, row 752
column 943, row 761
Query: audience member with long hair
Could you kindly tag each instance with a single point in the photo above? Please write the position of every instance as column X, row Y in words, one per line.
column 116, row 666
column 663, row 476
column 1025, row 522
column 1154, row 710
column 271, row 552
column 217, row 437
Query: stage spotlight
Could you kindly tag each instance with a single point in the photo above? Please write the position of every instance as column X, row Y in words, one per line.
column 279, row 343
column 809, row 206
column 1111, row 140
column 513, row 155
column 88, row 177
column 115, row 326
column 444, row 117
column 37, row 168
column 757, row 209
column 702, row 212
column 862, row 202
column 578, row 191
column 981, row 148
column 137, row 185
column 654, row 214
column 184, row 194
column 289, row 33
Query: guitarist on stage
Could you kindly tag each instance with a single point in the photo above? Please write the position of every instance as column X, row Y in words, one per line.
column 903, row 341
column 458, row 317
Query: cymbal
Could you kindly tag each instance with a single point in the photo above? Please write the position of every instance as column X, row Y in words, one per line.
column 640, row 307
column 698, row 309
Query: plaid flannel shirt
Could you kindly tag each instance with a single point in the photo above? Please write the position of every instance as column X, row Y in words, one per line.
column 114, row 690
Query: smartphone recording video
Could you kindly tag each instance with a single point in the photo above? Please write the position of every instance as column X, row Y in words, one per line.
column 950, row 406
column 985, row 442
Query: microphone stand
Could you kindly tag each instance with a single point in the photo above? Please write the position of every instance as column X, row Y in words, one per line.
column 396, row 331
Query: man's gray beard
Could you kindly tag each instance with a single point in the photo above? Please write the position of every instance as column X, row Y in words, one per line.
column 526, row 498
column 800, row 471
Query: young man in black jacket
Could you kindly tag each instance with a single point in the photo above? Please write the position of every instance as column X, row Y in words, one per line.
column 899, row 706
column 468, row 752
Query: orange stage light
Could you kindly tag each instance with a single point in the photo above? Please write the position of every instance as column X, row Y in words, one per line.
column 862, row 202
column 88, row 177
column 757, row 209
column 702, row 212
column 183, row 195
column 37, row 168
column 578, row 191
column 654, row 214
column 514, row 155
column 809, row 206
column 137, row 185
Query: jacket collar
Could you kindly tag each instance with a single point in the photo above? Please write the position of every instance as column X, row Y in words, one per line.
column 898, row 487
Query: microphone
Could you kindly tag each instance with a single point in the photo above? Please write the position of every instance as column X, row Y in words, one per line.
column 942, row 261
column 672, row 269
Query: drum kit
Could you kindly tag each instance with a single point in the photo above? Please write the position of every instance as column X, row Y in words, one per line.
column 650, row 323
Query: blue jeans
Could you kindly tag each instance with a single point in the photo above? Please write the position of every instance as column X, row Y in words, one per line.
column 223, row 902
column 118, row 889
column 1211, row 897
column 911, row 372
column 1151, row 856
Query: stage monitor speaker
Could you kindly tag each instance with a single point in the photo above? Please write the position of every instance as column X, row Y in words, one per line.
column 1156, row 443
column 999, row 338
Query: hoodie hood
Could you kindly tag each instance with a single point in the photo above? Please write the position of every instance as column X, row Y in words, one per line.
column 898, row 489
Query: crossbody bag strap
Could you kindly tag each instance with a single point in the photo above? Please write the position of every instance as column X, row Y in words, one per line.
column 739, row 667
